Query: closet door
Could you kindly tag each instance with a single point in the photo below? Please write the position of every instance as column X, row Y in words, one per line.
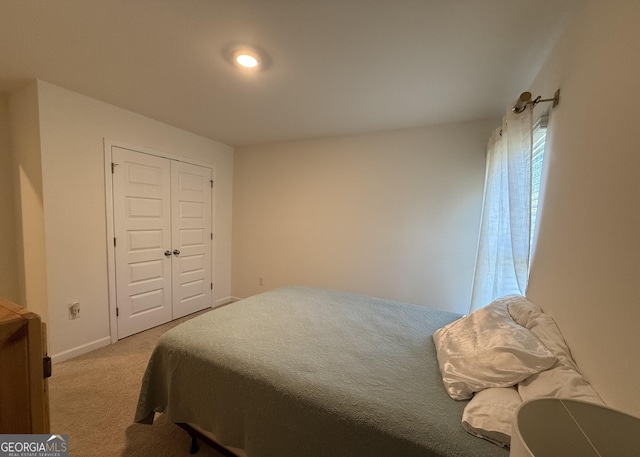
column 191, row 238
column 142, row 227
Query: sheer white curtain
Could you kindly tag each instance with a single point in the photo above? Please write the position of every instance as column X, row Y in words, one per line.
column 502, row 264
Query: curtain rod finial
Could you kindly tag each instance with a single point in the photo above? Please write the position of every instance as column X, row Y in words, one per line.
column 521, row 104
column 525, row 99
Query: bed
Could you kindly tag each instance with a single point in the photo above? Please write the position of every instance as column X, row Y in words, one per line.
column 310, row 372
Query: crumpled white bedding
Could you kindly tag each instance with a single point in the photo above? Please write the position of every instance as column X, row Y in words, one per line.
column 471, row 354
column 488, row 349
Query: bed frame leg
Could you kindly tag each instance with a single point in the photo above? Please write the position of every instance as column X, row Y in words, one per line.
column 194, row 445
column 196, row 435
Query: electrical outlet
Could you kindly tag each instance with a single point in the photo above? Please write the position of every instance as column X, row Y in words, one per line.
column 74, row 310
column 260, row 281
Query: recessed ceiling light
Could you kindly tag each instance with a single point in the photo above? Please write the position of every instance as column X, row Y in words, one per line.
column 246, row 58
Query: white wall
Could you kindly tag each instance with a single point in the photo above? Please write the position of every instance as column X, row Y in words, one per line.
column 72, row 130
column 586, row 271
column 9, row 258
column 27, row 190
column 391, row 214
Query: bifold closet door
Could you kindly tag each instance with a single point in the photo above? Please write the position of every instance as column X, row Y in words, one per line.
column 142, row 228
column 163, row 239
column 192, row 238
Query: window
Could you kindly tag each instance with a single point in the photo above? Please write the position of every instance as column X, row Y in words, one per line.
column 515, row 156
column 537, row 159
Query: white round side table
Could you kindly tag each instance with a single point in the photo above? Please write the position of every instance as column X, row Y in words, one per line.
column 552, row 427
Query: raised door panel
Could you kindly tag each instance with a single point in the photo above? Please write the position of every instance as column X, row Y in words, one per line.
column 142, row 226
column 191, row 216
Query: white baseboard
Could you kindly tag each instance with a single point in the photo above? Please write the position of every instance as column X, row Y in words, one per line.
column 224, row 301
column 71, row 353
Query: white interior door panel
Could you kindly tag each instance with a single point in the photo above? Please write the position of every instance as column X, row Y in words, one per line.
column 142, row 219
column 163, row 239
column 191, row 223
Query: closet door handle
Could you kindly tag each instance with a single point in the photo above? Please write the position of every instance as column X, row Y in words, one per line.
column 167, row 253
column 176, row 252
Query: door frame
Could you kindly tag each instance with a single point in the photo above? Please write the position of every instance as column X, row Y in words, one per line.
column 108, row 184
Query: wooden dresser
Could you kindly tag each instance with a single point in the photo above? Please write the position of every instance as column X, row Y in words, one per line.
column 24, row 400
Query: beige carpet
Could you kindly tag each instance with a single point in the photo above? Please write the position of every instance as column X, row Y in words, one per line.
column 93, row 399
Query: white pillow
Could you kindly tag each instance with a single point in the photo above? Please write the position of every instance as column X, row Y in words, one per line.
column 489, row 414
column 531, row 317
column 487, row 349
column 563, row 380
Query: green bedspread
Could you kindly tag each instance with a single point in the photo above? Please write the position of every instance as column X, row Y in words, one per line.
column 311, row 372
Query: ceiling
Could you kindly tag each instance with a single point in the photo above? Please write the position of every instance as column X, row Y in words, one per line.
column 336, row 66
